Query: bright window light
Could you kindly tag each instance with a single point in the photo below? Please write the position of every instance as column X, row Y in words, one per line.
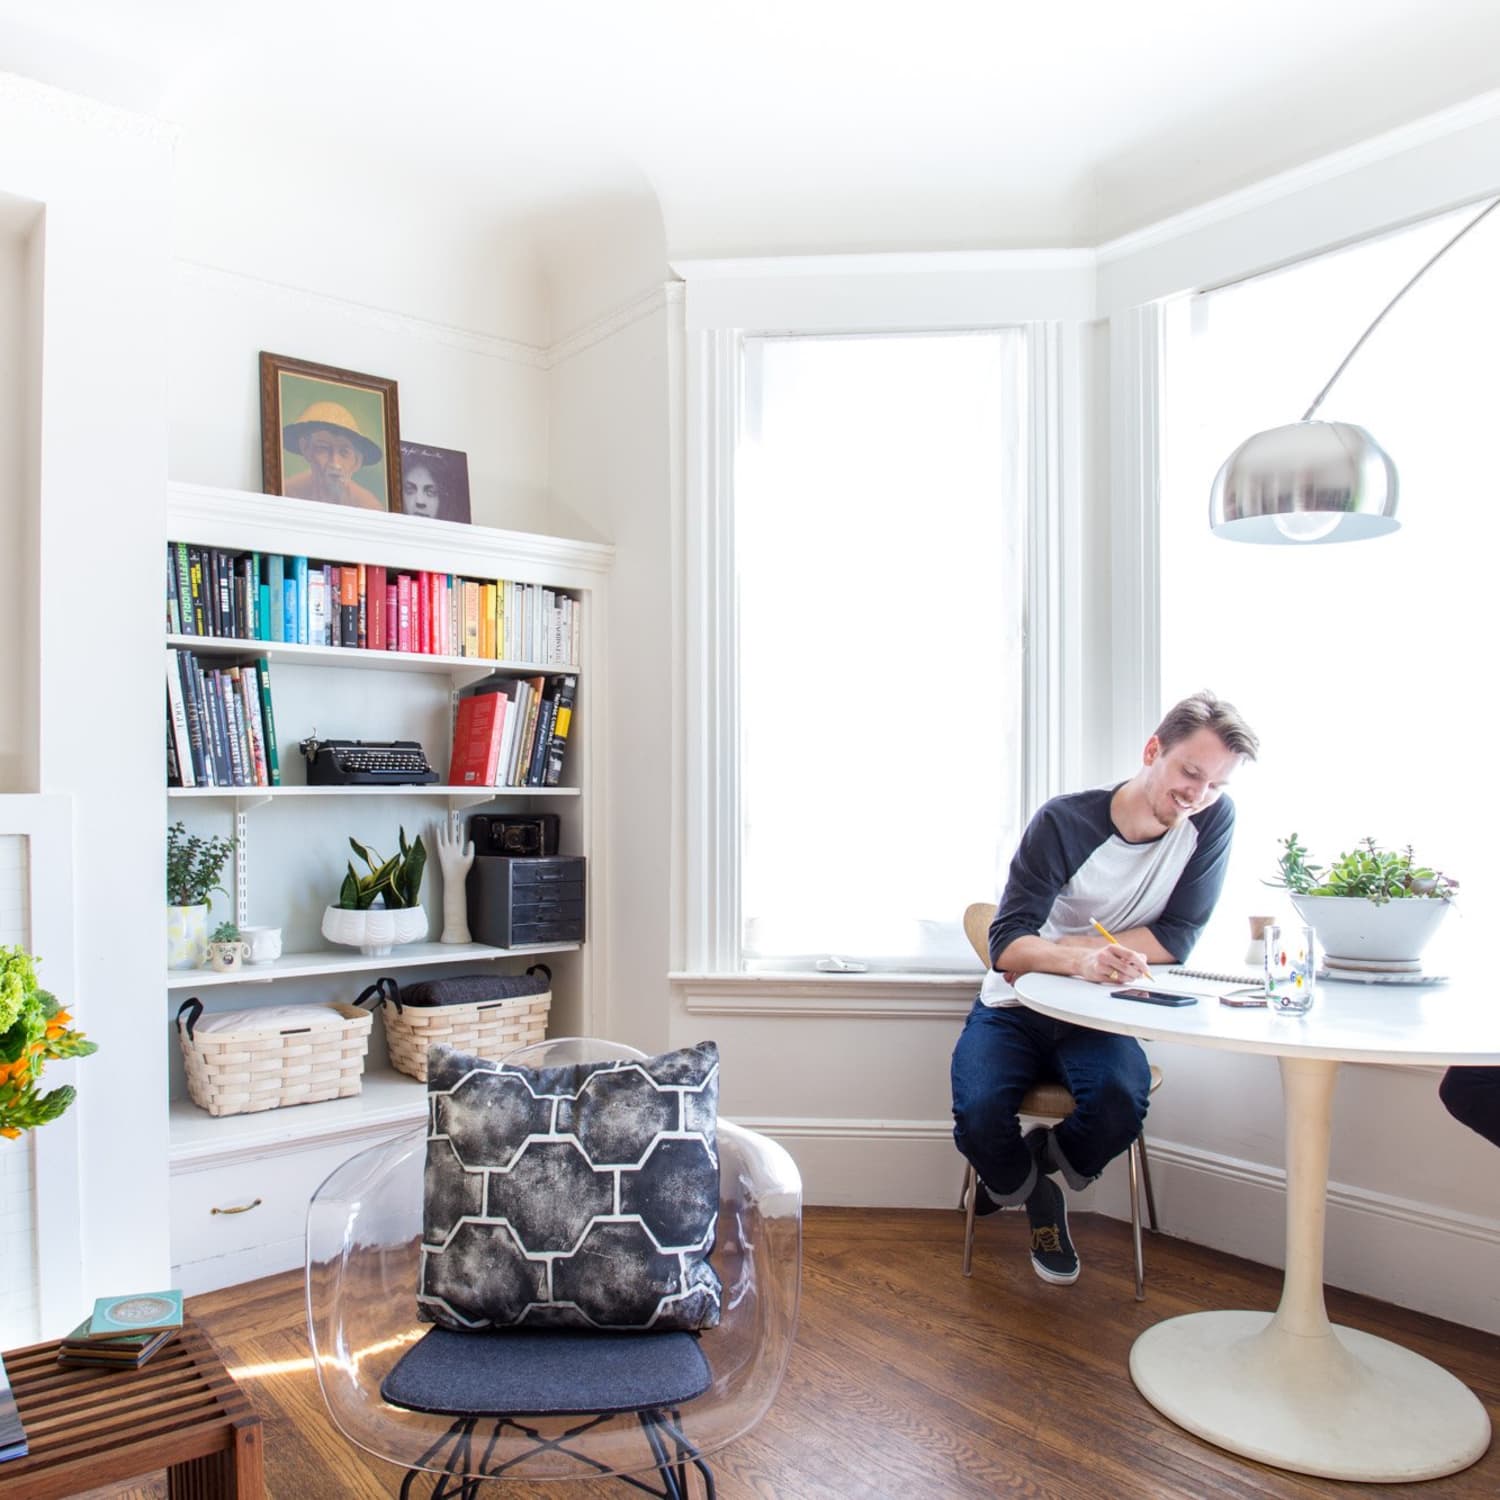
column 879, row 548
column 1363, row 667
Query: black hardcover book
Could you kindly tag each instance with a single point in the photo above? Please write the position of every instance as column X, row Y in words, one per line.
column 546, row 714
column 192, row 703
column 12, row 1433
column 174, row 776
column 218, row 740
column 197, row 582
column 565, row 694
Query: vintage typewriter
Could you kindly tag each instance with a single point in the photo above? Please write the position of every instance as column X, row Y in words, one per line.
column 366, row 763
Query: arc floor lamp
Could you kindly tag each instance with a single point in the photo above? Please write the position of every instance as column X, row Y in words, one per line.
column 1307, row 481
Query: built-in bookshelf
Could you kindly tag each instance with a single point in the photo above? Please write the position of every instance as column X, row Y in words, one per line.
column 546, row 594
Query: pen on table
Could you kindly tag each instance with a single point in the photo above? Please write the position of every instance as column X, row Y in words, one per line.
column 1109, row 937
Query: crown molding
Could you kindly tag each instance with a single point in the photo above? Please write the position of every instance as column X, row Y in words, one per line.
column 1314, row 174
column 485, row 345
column 623, row 317
column 896, row 263
column 78, row 109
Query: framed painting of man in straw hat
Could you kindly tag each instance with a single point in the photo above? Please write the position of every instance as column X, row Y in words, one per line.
column 330, row 435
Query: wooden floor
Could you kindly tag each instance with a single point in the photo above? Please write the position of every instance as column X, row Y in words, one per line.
column 909, row 1382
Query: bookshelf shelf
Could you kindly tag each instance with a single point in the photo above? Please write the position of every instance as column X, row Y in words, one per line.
column 386, row 1098
column 345, row 658
column 465, row 796
column 332, row 961
column 289, row 855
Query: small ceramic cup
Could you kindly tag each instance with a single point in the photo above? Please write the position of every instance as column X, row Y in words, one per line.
column 262, row 944
column 226, row 957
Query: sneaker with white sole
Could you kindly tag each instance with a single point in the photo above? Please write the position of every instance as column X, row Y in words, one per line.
column 1053, row 1257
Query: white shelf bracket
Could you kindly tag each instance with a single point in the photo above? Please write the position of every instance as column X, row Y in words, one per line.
column 241, row 866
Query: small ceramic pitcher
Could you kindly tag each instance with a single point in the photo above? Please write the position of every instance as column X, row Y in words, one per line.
column 263, row 944
column 226, row 957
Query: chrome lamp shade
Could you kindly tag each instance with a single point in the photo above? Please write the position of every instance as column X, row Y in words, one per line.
column 1306, row 482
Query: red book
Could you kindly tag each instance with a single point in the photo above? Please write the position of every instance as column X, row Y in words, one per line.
column 422, row 635
column 375, row 608
column 404, row 613
column 392, row 615
column 476, row 740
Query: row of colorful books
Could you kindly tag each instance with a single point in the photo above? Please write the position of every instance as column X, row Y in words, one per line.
column 512, row 731
column 221, row 730
column 266, row 596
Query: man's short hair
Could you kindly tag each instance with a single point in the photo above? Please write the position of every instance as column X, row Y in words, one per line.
column 1207, row 711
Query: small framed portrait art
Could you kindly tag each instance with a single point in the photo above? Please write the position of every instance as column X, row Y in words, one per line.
column 330, row 435
column 434, row 482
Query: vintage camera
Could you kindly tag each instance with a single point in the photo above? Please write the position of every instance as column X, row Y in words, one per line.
column 529, row 835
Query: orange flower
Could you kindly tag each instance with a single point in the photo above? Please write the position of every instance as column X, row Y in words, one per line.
column 10, row 1132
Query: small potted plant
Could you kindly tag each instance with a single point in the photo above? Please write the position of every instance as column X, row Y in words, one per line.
column 396, row 883
column 1371, row 905
column 34, row 1030
column 195, row 866
column 225, row 950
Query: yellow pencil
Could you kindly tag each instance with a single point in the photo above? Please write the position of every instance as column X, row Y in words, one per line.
column 1109, row 937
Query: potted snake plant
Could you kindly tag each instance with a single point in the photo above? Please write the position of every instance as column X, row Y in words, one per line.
column 396, row 883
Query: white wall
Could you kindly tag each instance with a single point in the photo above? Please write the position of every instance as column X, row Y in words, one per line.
column 18, row 1290
column 96, row 481
column 610, row 466
column 481, row 394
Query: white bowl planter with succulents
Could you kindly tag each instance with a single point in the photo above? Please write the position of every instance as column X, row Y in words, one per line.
column 394, row 883
column 1371, row 905
column 194, row 868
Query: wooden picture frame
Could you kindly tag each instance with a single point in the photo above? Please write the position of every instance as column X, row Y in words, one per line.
column 328, row 434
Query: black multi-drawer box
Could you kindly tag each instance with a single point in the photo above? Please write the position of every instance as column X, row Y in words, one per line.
column 514, row 901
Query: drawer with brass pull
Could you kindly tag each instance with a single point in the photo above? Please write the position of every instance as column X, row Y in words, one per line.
column 228, row 1208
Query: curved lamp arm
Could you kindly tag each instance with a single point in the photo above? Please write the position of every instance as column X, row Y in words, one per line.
column 1379, row 318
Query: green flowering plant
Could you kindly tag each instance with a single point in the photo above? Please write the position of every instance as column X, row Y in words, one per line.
column 1367, row 870
column 34, row 1029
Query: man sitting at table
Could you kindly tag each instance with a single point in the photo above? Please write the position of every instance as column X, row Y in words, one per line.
column 1146, row 860
column 1472, row 1097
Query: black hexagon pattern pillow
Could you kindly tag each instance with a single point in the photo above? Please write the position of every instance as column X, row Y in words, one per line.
column 574, row 1197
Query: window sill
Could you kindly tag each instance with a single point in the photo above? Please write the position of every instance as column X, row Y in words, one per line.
column 841, row 996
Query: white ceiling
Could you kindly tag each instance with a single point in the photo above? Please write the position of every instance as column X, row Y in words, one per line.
column 757, row 126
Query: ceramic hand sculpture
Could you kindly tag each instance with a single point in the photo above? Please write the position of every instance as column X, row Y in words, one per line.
column 455, row 857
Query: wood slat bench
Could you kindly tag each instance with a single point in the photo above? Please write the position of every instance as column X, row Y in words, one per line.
column 181, row 1411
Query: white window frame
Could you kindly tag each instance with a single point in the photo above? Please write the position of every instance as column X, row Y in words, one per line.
column 1049, row 295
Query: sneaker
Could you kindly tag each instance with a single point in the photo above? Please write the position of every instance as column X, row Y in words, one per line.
column 1053, row 1257
column 983, row 1203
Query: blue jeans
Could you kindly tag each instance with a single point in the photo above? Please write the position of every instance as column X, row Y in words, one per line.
column 1001, row 1053
column 1472, row 1095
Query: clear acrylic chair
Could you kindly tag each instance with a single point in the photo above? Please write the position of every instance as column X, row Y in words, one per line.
column 647, row 1403
column 1052, row 1101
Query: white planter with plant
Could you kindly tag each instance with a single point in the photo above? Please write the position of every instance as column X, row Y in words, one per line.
column 397, row 884
column 1371, row 905
column 226, row 951
column 195, row 866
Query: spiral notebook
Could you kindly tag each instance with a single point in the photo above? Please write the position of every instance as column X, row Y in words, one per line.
column 1242, row 976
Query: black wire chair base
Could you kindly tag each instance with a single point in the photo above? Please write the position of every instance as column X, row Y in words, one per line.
column 462, row 1457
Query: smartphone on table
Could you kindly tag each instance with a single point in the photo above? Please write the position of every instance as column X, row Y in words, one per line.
column 1155, row 997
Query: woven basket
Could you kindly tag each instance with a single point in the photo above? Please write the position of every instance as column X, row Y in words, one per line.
column 240, row 1061
column 490, row 1028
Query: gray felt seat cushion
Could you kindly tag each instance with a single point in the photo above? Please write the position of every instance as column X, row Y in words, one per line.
column 518, row 1373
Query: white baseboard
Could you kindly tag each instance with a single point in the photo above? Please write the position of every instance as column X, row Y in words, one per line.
column 1431, row 1259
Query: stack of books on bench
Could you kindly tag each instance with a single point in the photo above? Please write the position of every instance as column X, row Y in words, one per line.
column 122, row 1333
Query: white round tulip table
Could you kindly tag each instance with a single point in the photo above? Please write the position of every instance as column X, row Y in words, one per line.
column 1291, row 1389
